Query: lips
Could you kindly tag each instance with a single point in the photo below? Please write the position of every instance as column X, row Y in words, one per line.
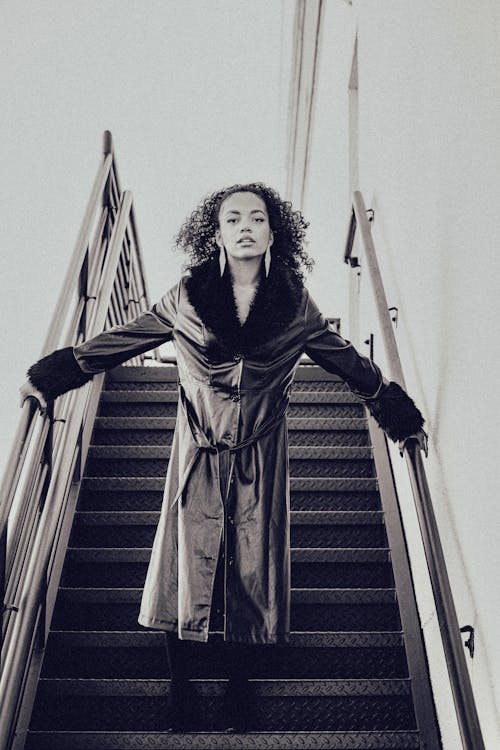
column 245, row 239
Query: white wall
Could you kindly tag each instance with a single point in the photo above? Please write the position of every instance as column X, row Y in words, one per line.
column 429, row 161
column 192, row 92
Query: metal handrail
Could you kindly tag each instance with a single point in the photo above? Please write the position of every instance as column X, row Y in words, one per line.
column 47, row 456
column 463, row 696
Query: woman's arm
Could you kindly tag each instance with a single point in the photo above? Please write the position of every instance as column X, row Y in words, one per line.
column 72, row 367
column 388, row 403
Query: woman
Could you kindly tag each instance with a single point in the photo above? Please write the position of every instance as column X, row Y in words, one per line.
column 240, row 322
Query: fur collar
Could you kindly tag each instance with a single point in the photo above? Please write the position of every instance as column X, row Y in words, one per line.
column 273, row 307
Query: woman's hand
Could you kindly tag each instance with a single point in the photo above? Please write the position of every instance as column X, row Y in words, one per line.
column 27, row 390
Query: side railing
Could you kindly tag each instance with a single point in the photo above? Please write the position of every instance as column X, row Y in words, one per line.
column 453, row 647
column 104, row 286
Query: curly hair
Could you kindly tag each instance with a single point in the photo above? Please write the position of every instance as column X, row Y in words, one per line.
column 196, row 237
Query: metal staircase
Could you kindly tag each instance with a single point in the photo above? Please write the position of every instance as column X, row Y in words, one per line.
column 343, row 681
column 79, row 504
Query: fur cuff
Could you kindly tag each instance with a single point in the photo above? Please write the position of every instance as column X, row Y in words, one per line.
column 396, row 412
column 57, row 373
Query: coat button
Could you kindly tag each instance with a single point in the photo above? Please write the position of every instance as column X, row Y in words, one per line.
column 235, row 397
column 230, row 560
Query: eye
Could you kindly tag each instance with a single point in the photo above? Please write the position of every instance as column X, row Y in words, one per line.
column 231, row 221
column 259, row 218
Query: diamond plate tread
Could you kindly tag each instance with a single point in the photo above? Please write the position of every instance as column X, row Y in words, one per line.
column 399, row 740
column 70, row 615
column 298, row 554
column 112, row 573
column 278, row 688
column 303, row 596
column 295, row 452
column 307, row 484
column 209, row 660
column 147, row 639
column 171, row 397
column 115, row 500
column 168, row 423
column 301, row 517
column 132, row 373
column 156, row 467
column 168, row 409
column 169, row 373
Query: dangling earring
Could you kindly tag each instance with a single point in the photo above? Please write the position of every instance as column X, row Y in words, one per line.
column 267, row 259
column 222, row 259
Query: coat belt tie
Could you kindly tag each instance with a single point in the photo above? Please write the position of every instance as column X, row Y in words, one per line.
column 203, row 443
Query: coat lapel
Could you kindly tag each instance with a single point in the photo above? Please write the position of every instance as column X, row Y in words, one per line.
column 273, row 307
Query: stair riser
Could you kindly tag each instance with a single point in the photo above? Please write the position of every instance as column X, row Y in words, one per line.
column 272, row 714
column 207, row 661
column 300, row 536
column 334, row 617
column 122, row 500
column 156, row 467
column 304, row 575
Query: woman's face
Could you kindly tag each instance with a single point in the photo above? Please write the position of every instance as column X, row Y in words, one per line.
column 244, row 226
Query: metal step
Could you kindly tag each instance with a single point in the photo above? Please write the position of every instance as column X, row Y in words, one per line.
column 302, row 554
column 298, row 596
column 115, row 500
column 307, row 484
column 171, row 397
column 320, row 657
column 215, row 741
column 295, row 423
column 298, row 518
column 308, row 529
column 169, row 373
column 302, row 452
column 155, row 639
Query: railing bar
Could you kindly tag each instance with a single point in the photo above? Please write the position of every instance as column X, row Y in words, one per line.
column 413, row 637
column 73, row 271
column 379, row 291
column 30, row 501
column 117, row 305
column 15, row 460
column 21, row 561
column 463, row 695
column 96, row 251
column 112, row 260
column 118, row 301
column 138, row 254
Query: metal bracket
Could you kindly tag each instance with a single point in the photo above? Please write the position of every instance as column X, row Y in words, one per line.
column 395, row 315
column 469, row 643
column 369, row 341
column 354, row 261
column 10, row 607
column 370, row 214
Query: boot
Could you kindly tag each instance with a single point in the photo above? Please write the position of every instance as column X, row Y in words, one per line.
column 183, row 708
column 238, row 706
column 183, row 699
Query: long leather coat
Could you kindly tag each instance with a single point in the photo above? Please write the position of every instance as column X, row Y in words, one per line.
column 227, row 484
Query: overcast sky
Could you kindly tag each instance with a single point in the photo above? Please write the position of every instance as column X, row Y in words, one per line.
column 195, row 93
